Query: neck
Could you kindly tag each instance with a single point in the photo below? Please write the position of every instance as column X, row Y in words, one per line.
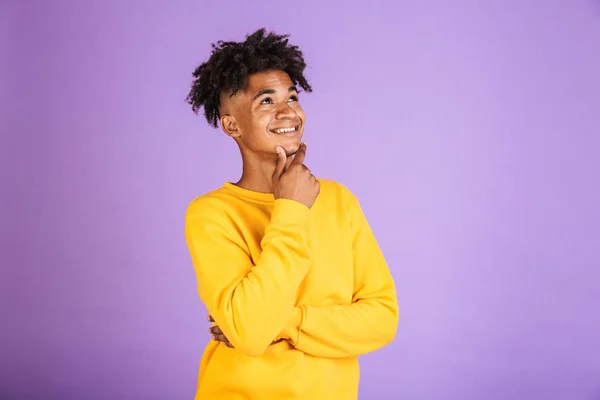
column 257, row 173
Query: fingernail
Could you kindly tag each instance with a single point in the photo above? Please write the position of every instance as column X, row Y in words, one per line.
column 209, row 330
column 214, row 337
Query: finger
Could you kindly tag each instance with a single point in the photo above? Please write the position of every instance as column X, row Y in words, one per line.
column 288, row 162
column 215, row 330
column 228, row 345
column 300, row 154
column 281, row 162
column 210, row 318
column 219, row 338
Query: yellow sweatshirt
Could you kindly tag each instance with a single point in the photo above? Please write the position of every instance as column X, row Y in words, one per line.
column 299, row 293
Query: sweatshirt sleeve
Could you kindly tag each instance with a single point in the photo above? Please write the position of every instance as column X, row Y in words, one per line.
column 250, row 303
column 365, row 325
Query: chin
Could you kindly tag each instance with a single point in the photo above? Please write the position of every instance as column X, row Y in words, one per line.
column 291, row 149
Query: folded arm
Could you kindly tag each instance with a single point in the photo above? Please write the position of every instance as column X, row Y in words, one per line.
column 250, row 303
column 365, row 325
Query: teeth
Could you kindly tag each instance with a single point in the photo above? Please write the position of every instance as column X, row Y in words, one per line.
column 285, row 130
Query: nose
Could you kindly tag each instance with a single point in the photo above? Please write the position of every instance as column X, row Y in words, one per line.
column 285, row 111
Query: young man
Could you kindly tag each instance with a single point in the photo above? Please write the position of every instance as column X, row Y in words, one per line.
column 286, row 263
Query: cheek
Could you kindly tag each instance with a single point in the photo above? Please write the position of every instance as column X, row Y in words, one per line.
column 299, row 111
column 262, row 122
column 253, row 124
column 257, row 128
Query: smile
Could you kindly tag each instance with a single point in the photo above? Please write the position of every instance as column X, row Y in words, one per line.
column 286, row 130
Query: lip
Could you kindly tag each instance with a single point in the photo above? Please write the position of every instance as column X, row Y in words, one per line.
column 292, row 133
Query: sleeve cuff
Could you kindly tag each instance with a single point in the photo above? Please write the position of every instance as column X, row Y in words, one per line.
column 289, row 211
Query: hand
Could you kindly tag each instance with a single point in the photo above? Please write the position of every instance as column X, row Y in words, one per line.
column 218, row 334
column 293, row 180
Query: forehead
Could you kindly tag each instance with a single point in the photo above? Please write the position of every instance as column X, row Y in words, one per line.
column 260, row 81
column 268, row 80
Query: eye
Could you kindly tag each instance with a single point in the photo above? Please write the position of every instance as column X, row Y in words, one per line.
column 267, row 100
column 293, row 98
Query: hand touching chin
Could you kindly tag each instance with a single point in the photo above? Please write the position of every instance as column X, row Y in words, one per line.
column 291, row 149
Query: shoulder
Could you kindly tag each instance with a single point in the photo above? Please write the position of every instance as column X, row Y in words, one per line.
column 335, row 187
column 335, row 191
column 211, row 204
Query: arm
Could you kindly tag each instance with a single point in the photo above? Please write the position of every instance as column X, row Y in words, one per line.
column 250, row 303
column 369, row 323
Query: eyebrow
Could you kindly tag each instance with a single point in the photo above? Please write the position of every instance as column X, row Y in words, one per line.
column 272, row 91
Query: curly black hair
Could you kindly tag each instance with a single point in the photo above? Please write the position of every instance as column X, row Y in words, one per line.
column 231, row 63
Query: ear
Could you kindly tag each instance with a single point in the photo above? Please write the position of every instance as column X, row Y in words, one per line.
column 229, row 126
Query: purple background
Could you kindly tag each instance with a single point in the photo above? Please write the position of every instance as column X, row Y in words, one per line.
column 468, row 129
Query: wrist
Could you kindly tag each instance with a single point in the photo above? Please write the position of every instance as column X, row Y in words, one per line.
column 290, row 211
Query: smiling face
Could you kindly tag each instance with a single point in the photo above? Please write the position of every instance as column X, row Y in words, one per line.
column 265, row 115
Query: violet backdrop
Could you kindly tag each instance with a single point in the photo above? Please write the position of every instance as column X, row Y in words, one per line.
column 468, row 129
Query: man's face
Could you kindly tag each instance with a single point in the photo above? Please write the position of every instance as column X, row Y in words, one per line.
column 265, row 115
